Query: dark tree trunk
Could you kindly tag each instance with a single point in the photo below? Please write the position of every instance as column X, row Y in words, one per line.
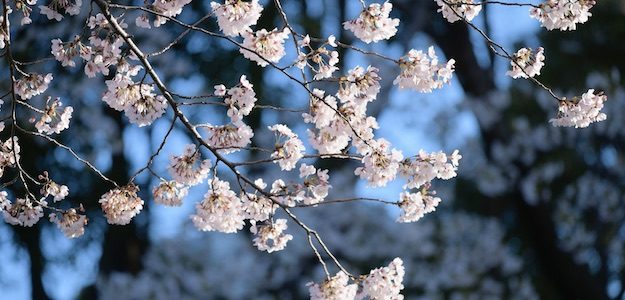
column 123, row 247
column 31, row 237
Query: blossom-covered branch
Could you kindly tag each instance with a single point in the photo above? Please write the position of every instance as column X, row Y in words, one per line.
column 335, row 115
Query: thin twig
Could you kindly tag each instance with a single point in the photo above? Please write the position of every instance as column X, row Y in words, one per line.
column 71, row 151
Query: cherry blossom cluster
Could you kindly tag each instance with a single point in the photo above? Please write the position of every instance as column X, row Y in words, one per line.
column 580, row 113
column 415, row 205
column 121, row 204
column 456, row 10
column 313, row 190
column 228, row 138
column 380, row 163
column 220, row 210
column 51, row 188
column 240, row 99
column 188, row 168
column 3, row 33
column 320, row 60
column 136, row 100
column 360, row 85
column 526, row 63
column 70, row 222
column 270, row 235
column 29, row 210
column 65, row 52
column 385, row 282
column 104, row 49
column 316, row 185
column 165, row 8
column 102, row 52
column 373, row 24
column 32, row 85
column 380, row 284
column 55, row 118
column 422, row 72
column 170, row 193
column 235, row 16
column 335, row 288
column 562, row 14
column 267, row 46
column 9, row 154
column 419, row 171
column 338, row 122
column 289, row 148
column 236, row 135
column 330, row 135
column 55, row 9
column 24, row 211
column 257, row 207
column 424, row 167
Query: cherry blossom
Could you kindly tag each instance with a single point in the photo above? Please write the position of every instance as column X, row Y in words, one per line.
column 169, row 193
column 380, row 163
column 385, row 283
column 167, row 8
column 424, row 167
column 526, row 63
column 360, row 85
column 289, row 152
column 270, row 235
column 320, row 60
column 220, row 210
column 51, row 188
column 236, row 16
column 256, row 206
column 23, row 212
column 121, row 204
column 282, row 194
column 145, row 108
column 580, row 113
column 338, row 114
column 322, row 109
column 64, row 52
column 3, row 34
column 316, row 183
column 456, row 10
column 32, row 85
column 121, row 89
column 336, row 288
column 8, row 157
column 54, row 119
column 373, row 24
column 70, row 222
column 240, row 99
column 54, row 9
column 415, row 205
column 188, row 168
column 422, row 72
column 267, row 45
column 562, row 14
column 228, row 138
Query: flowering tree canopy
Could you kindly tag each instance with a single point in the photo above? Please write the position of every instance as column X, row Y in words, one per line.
column 130, row 49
